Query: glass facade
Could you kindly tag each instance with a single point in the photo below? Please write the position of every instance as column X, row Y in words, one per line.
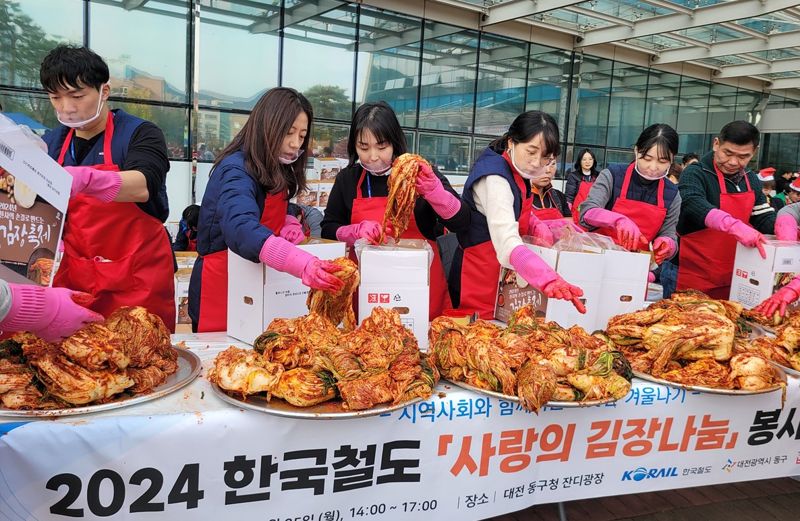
column 196, row 68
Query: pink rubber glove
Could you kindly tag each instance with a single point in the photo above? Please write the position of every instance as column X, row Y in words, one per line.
column 50, row 313
column 541, row 276
column 651, row 277
column 541, row 232
column 100, row 184
column 282, row 255
column 431, row 188
column 785, row 228
column 369, row 230
column 744, row 233
column 663, row 248
column 560, row 227
column 628, row 234
column 292, row 230
column 782, row 298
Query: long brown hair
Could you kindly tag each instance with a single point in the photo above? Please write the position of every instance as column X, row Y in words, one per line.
column 261, row 139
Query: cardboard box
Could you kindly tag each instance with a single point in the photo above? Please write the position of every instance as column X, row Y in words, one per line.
column 613, row 282
column 34, row 193
column 182, row 278
column 755, row 279
column 397, row 278
column 257, row 294
column 185, row 259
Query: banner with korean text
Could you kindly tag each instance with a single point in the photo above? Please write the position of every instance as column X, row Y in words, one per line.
column 457, row 454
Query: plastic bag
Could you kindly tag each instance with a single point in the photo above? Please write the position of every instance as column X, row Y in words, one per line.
column 403, row 244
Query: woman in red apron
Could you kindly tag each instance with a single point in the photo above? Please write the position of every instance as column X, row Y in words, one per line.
column 635, row 204
column 580, row 180
column 244, row 207
column 498, row 193
column 359, row 195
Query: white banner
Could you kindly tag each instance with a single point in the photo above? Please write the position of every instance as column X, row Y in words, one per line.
column 457, row 454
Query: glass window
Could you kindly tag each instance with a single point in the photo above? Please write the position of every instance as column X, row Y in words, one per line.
column 450, row 154
column 29, row 29
column 549, row 71
column 747, row 101
column 501, row 83
column 215, row 130
column 721, row 107
column 599, row 154
column 663, row 94
column 448, row 78
column 318, row 55
column 145, row 48
column 172, row 121
column 411, row 140
column 781, row 151
column 479, row 144
column 34, row 110
column 388, row 61
column 237, row 79
column 592, row 103
column 692, row 115
column 626, row 114
column 329, row 140
column 619, row 156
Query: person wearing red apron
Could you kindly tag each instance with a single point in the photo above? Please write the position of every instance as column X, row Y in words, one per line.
column 636, row 205
column 551, row 212
column 580, row 180
column 498, row 193
column 115, row 245
column 186, row 239
column 245, row 207
column 722, row 204
column 787, row 221
column 358, row 198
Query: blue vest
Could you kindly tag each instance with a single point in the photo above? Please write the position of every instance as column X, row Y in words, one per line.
column 639, row 189
column 124, row 127
column 489, row 163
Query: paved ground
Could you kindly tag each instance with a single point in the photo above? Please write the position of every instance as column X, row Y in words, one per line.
column 765, row 500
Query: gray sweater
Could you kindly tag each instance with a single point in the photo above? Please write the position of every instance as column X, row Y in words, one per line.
column 601, row 193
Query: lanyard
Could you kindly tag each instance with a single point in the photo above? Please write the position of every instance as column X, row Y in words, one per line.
column 72, row 150
column 369, row 186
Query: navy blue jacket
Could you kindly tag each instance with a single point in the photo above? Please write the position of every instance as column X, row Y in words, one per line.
column 230, row 218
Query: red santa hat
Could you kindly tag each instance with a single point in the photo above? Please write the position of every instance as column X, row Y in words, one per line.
column 766, row 174
column 795, row 185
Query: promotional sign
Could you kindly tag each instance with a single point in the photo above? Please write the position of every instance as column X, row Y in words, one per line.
column 34, row 193
column 457, row 455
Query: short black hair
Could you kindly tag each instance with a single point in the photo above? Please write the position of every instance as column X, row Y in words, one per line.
column 379, row 118
column 688, row 157
column 191, row 214
column 68, row 66
column 527, row 126
column 663, row 137
column 740, row 133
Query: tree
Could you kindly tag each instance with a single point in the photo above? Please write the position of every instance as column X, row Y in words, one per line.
column 23, row 45
column 329, row 101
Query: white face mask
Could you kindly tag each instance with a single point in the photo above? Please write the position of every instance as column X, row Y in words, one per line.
column 290, row 160
column 651, row 177
column 79, row 124
column 378, row 168
column 533, row 173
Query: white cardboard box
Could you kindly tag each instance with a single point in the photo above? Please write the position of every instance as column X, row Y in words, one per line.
column 755, row 279
column 613, row 282
column 257, row 294
column 396, row 278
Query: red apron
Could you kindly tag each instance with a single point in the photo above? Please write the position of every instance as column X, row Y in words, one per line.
column 706, row 256
column 192, row 242
column 372, row 209
column 649, row 218
column 214, row 278
column 115, row 251
column 480, row 269
column 545, row 213
column 583, row 193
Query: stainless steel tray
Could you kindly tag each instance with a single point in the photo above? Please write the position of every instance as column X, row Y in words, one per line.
column 330, row 410
column 650, row 378
column 189, row 366
column 506, row 397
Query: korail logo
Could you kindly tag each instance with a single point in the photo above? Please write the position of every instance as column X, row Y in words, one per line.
column 729, row 466
column 642, row 473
